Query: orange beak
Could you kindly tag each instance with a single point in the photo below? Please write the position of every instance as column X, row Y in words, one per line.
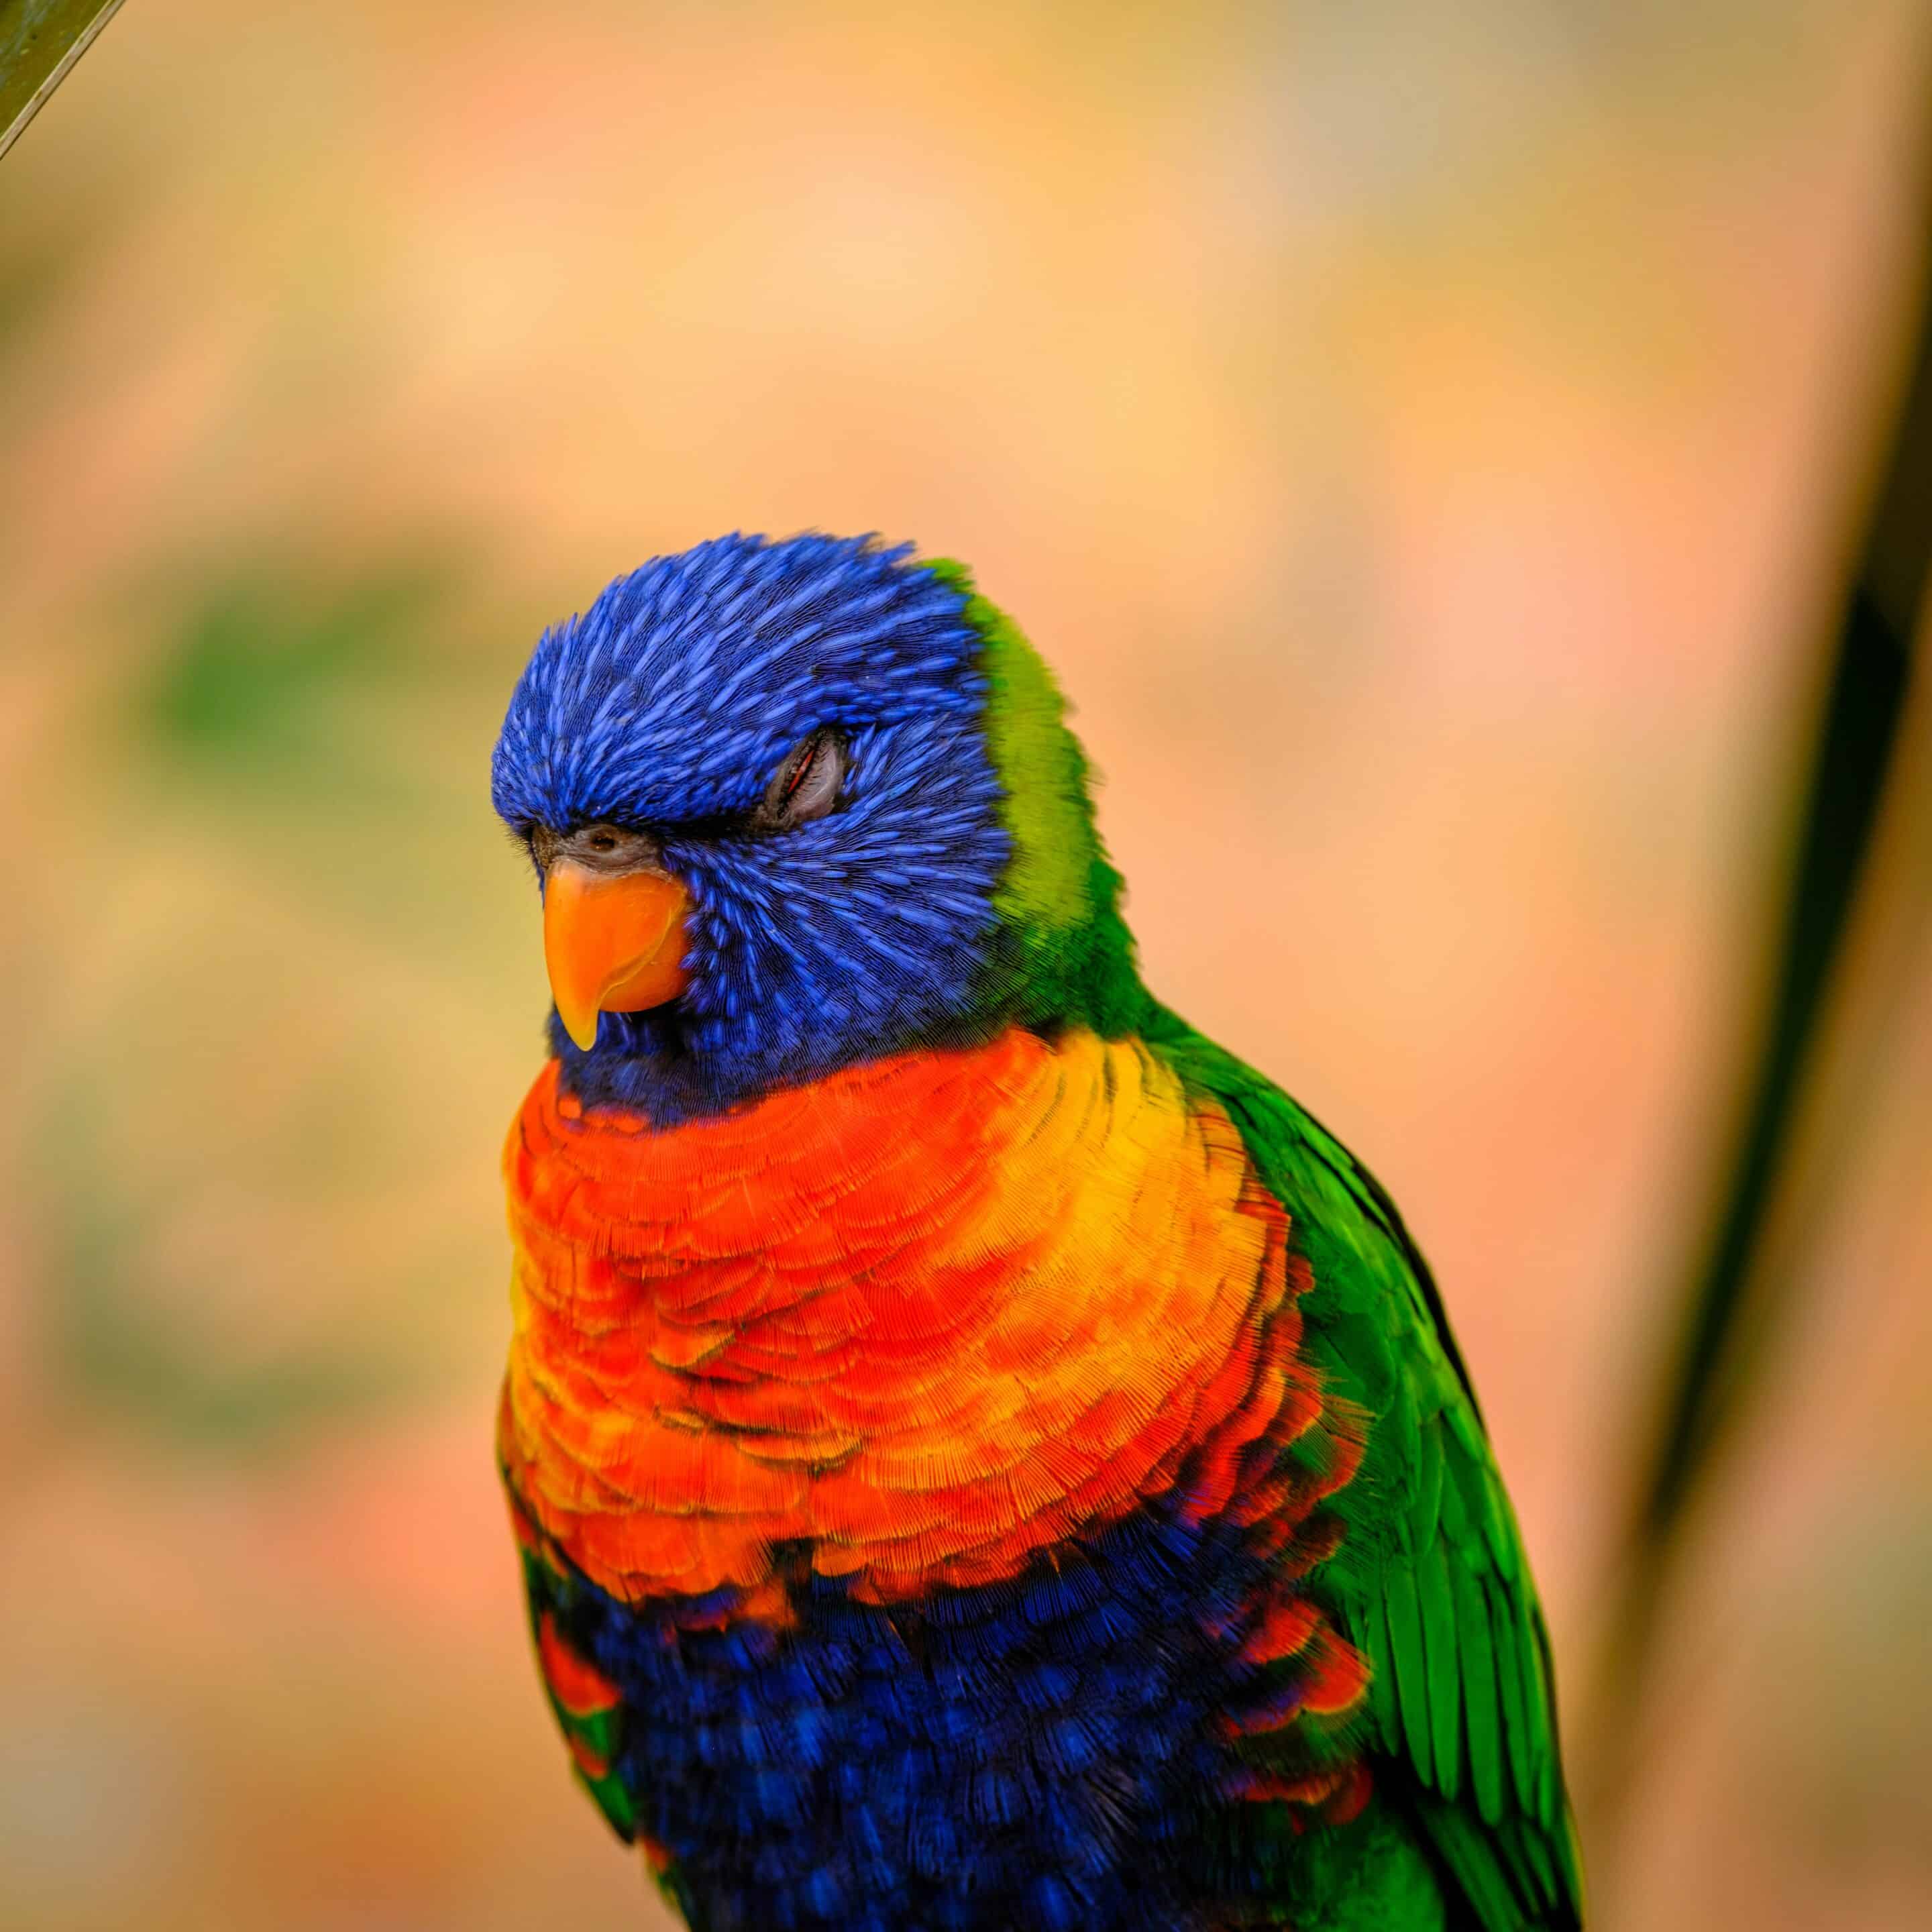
column 614, row 943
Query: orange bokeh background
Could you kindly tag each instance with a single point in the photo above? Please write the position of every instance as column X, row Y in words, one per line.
column 1425, row 439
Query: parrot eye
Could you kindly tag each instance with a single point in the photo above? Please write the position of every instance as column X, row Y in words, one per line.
column 805, row 787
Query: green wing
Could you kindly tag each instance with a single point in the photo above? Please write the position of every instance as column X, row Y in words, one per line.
column 1429, row 1580
column 590, row 1714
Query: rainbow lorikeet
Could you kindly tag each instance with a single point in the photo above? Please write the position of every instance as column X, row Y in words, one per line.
column 982, row 1456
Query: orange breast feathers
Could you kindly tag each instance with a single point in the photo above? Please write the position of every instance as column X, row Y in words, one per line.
column 922, row 1318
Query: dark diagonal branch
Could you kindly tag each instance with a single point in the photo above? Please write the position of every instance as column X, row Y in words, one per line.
column 1735, row 1302
column 40, row 41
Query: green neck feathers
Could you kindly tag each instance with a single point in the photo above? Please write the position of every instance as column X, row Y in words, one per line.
column 1066, row 957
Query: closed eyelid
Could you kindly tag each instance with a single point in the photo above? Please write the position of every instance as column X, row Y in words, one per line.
column 807, row 785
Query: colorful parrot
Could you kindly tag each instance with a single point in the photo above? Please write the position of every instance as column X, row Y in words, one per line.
column 983, row 1458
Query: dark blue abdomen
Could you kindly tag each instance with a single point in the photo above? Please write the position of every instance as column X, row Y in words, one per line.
column 1032, row 1756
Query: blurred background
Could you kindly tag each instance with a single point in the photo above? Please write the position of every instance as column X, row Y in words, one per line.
column 1428, row 439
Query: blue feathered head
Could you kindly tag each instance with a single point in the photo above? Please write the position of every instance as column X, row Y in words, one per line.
column 849, row 775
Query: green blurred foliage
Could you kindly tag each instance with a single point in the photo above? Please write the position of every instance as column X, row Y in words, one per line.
column 262, row 681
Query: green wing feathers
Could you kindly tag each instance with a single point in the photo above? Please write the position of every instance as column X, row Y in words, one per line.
column 1429, row 1580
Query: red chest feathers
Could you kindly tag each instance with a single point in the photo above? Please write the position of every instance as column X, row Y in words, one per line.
column 925, row 1317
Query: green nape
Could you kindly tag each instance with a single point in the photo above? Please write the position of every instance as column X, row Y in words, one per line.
column 1066, row 957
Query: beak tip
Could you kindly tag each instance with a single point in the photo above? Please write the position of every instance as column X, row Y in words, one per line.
column 582, row 1027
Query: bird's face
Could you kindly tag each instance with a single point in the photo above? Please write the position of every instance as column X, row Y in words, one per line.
column 757, row 784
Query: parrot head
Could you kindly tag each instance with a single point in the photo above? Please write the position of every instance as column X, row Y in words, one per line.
column 793, row 806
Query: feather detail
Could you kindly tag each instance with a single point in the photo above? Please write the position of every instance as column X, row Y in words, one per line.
column 928, row 1316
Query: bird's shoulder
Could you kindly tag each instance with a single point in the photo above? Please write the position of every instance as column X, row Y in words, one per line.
column 1428, row 1577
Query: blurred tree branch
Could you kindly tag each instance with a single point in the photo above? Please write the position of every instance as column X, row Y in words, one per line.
column 40, row 41
column 1819, row 1054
